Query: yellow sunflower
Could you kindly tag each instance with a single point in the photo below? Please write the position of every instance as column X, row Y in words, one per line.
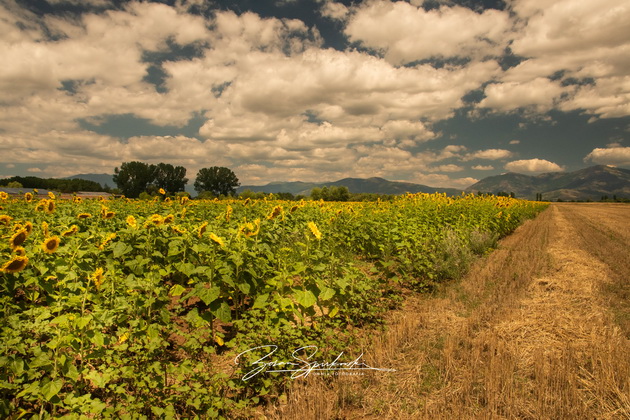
column 19, row 251
column 201, row 229
column 155, row 220
column 28, row 197
column 18, row 238
column 5, row 219
column 41, row 205
column 275, row 212
column 51, row 195
column 84, row 215
column 50, row 206
column 161, row 191
column 29, row 227
column 169, row 219
column 3, row 195
column 107, row 240
column 250, row 229
column 216, row 239
column 71, row 231
column 314, row 230
column 51, row 244
column 97, row 277
column 178, row 229
column 17, row 263
column 107, row 214
column 131, row 221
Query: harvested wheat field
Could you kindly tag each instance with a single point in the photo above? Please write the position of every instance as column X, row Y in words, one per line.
column 539, row 329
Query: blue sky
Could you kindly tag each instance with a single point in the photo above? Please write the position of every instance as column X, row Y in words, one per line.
column 441, row 93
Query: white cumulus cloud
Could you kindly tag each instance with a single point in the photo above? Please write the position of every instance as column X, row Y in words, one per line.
column 609, row 156
column 533, row 166
column 405, row 33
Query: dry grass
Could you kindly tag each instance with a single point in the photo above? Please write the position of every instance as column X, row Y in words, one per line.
column 527, row 334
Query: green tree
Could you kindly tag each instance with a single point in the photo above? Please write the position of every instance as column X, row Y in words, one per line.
column 316, row 193
column 14, row 184
column 171, row 178
column 216, row 179
column 134, row 177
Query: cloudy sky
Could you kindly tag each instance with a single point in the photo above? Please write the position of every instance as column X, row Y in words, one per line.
column 437, row 92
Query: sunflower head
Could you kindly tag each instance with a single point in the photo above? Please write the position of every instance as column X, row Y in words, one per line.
column 275, row 212
column 178, row 229
column 41, row 205
column 161, row 191
column 51, row 195
column 169, row 219
column 155, row 220
column 84, row 215
column 106, row 240
column 97, row 277
column 201, row 229
column 28, row 226
column 314, row 230
column 50, row 206
column 18, row 238
column 5, row 219
column 19, row 251
column 28, row 197
column 17, row 263
column 71, row 231
column 216, row 239
column 131, row 221
column 3, row 195
column 51, row 244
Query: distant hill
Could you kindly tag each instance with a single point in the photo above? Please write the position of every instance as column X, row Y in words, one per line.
column 103, row 179
column 585, row 184
column 354, row 185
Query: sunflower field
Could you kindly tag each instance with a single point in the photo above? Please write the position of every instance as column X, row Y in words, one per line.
column 134, row 309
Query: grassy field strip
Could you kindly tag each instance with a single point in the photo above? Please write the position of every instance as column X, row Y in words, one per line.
column 530, row 332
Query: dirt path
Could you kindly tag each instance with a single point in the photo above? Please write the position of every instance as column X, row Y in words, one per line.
column 537, row 330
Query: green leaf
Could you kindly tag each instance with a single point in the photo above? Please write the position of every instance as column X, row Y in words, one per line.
column 306, row 299
column 326, row 293
column 207, row 294
column 121, row 248
column 223, row 312
column 260, row 301
column 177, row 290
column 52, row 388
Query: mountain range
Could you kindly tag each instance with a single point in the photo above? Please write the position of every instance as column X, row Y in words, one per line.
column 585, row 184
column 355, row 185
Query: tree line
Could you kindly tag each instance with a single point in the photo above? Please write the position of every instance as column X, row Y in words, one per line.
column 135, row 178
column 61, row 185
